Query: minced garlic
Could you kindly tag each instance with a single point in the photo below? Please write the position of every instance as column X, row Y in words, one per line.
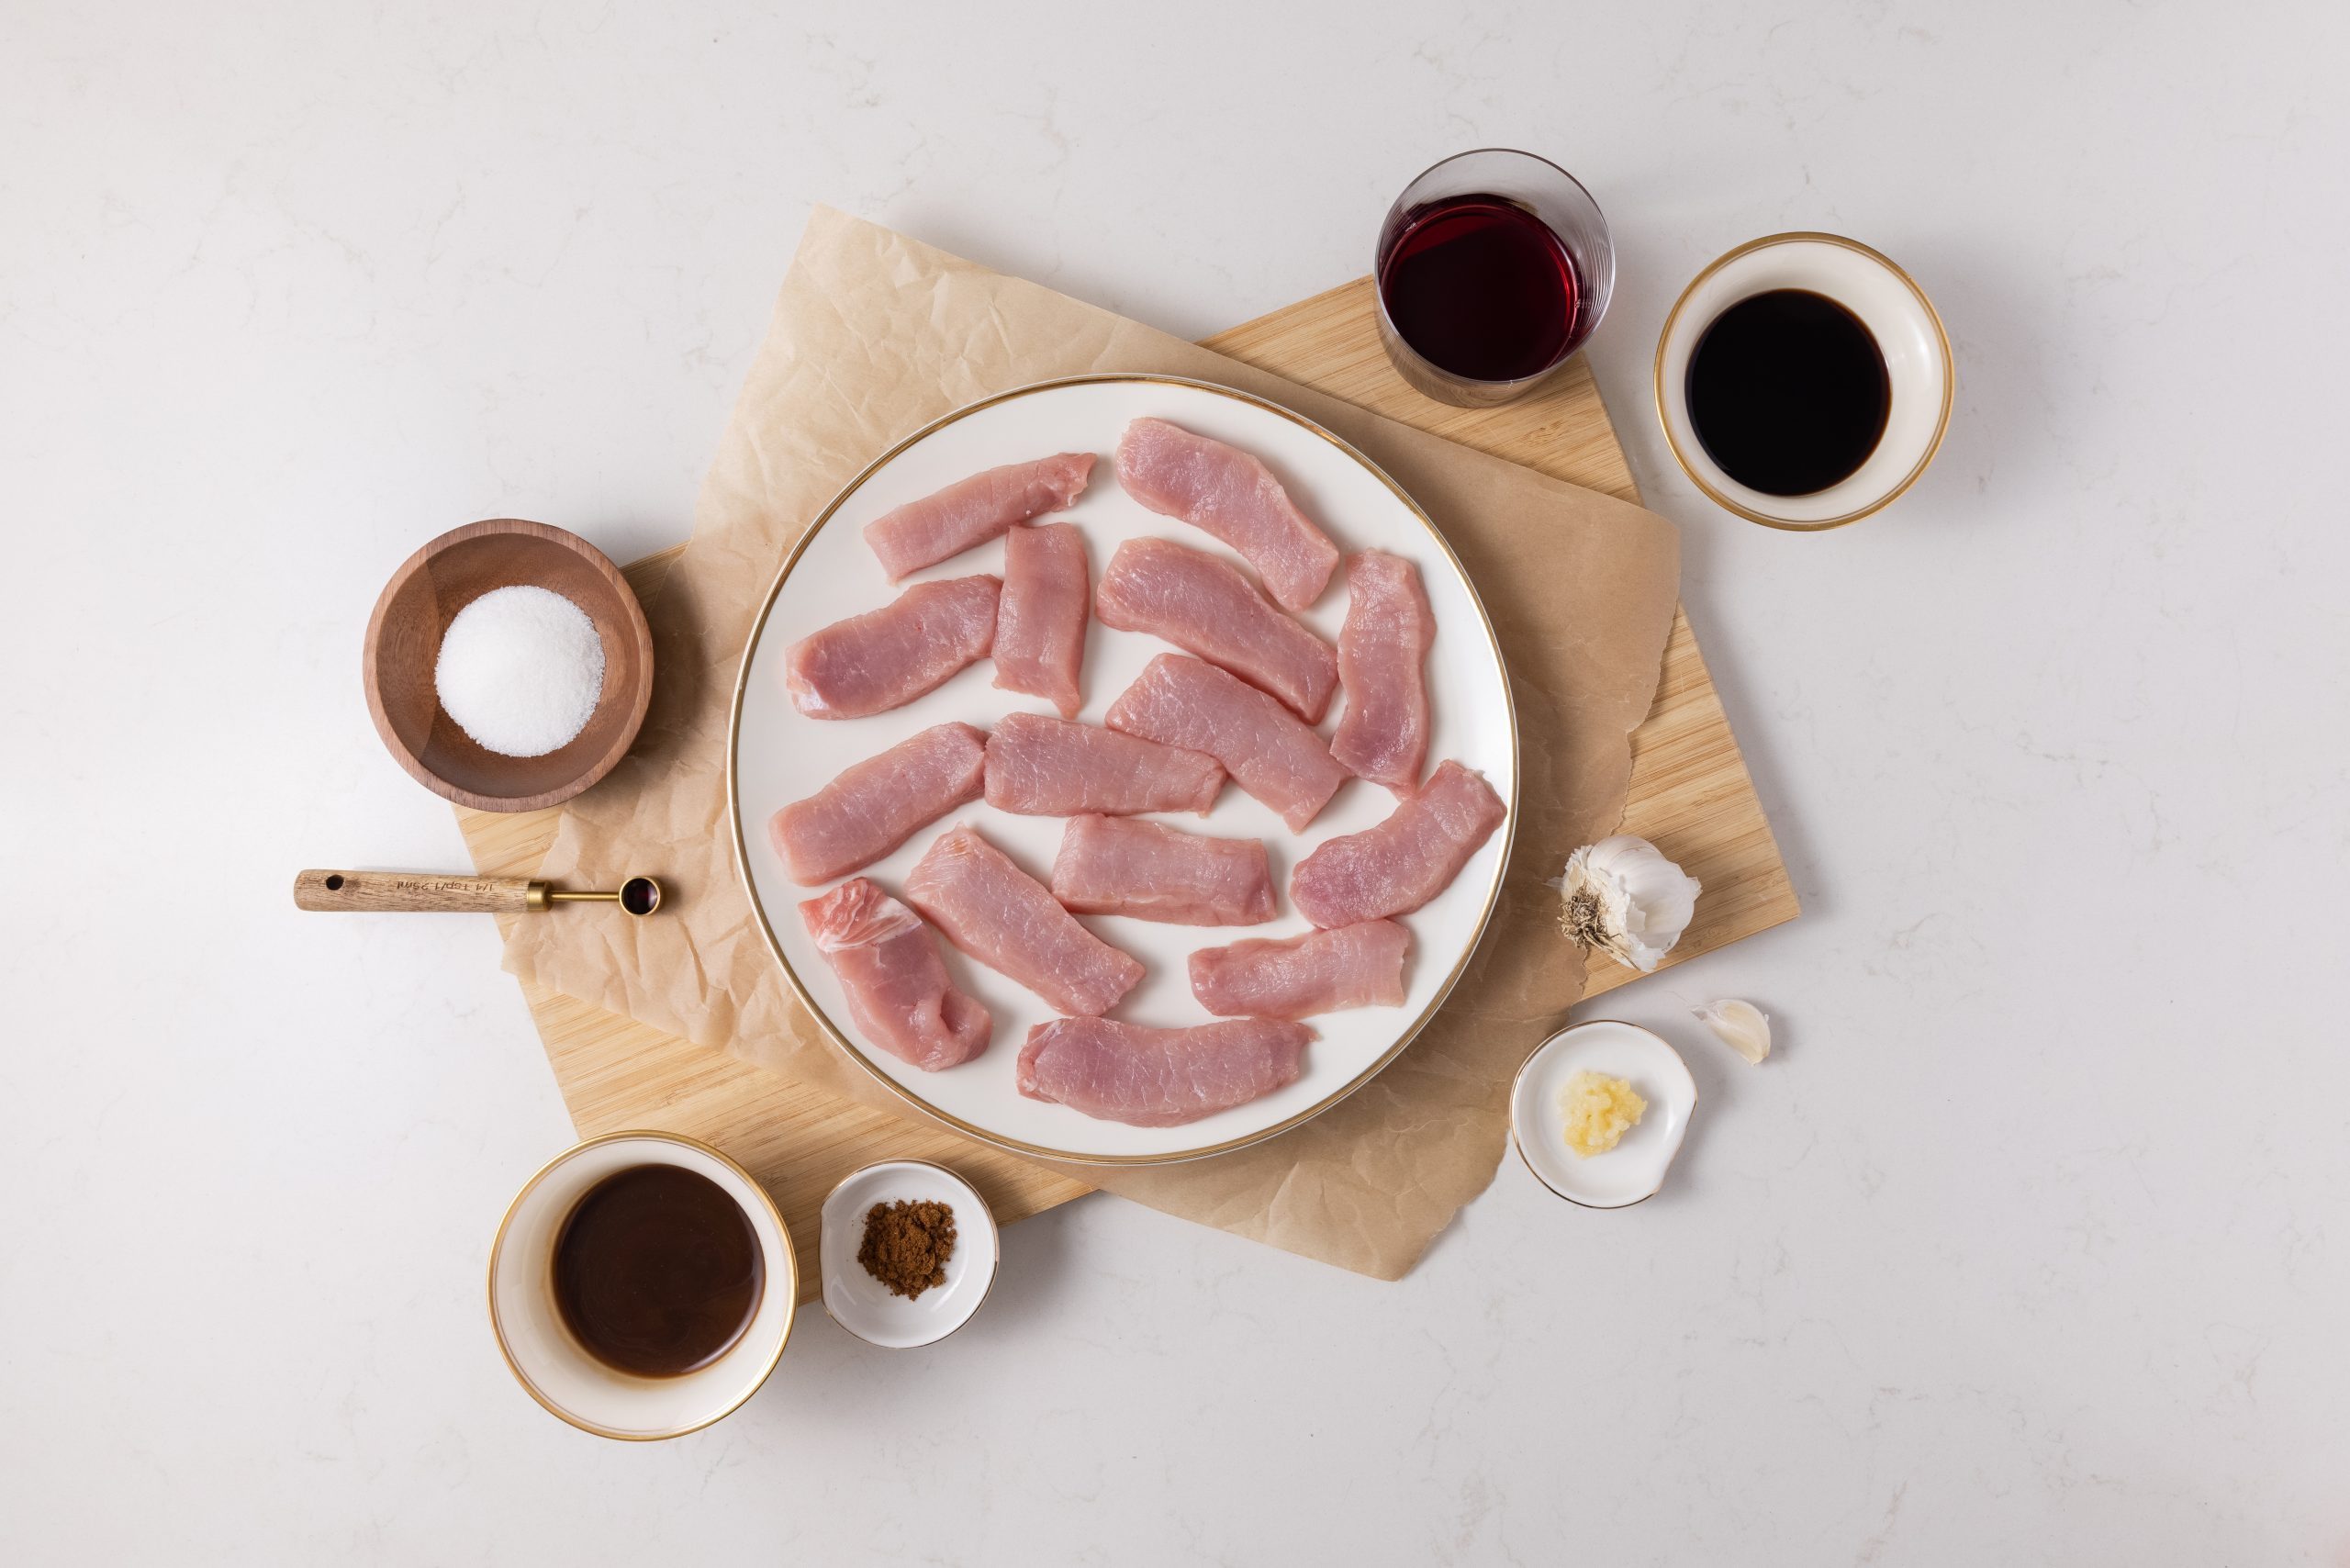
column 1599, row 1111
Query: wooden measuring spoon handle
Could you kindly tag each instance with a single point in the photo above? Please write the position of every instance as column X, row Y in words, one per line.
column 419, row 890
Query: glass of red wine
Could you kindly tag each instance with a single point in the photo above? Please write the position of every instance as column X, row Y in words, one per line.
column 1494, row 267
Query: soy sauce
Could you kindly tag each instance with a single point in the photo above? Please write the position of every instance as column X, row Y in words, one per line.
column 1481, row 288
column 657, row 1270
column 1788, row 392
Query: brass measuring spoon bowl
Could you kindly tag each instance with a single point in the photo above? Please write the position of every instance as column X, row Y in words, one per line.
column 638, row 896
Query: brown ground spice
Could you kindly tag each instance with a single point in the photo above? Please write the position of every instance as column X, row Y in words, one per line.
column 907, row 1244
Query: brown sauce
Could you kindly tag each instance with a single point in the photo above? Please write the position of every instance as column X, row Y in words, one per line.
column 1788, row 392
column 657, row 1270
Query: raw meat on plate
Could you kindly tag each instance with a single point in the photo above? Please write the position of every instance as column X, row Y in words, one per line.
column 1009, row 921
column 1231, row 495
column 1180, row 701
column 1042, row 767
column 971, row 511
column 1206, row 607
column 898, row 993
column 1298, row 977
column 887, row 658
column 1383, row 735
column 1117, row 865
column 1402, row 863
column 1040, row 619
column 874, row 805
column 1158, row 1078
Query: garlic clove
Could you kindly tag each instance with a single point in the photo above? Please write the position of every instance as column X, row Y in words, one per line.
column 1622, row 896
column 1742, row 1026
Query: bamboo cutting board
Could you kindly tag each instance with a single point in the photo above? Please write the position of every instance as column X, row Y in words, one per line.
column 1689, row 794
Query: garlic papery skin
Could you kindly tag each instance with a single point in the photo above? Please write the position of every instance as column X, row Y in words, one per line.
column 1742, row 1026
column 1625, row 898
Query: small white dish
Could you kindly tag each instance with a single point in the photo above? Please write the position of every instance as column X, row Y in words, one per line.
column 550, row 1365
column 862, row 1305
column 1918, row 363
column 1635, row 1167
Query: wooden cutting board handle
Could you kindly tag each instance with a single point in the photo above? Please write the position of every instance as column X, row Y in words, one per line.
column 426, row 892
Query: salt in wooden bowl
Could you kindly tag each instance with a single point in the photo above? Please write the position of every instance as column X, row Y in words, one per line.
column 404, row 646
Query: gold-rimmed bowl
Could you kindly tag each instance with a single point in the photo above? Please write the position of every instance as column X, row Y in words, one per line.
column 1634, row 1170
column 550, row 1365
column 1896, row 312
column 862, row 1305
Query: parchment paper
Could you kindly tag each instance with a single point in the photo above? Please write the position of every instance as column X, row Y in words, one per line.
column 875, row 335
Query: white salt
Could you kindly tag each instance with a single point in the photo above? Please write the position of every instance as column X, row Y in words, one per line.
column 520, row 670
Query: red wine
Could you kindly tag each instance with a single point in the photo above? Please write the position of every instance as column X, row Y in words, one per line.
column 1788, row 392
column 1481, row 288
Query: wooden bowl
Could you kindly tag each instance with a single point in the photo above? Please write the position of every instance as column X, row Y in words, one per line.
column 404, row 645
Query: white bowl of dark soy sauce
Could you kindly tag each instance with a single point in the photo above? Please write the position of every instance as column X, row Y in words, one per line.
column 642, row 1285
column 1804, row 381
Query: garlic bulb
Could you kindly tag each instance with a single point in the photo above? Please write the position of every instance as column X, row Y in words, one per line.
column 1624, row 898
column 1742, row 1026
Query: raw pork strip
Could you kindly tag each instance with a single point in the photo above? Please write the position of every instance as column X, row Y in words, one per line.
column 898, row 993
column 1321, row 972
column 876, row 805
column 1158, row 1078
column 1182, row 702
column 1226, row 492
column 1040, row 620
column 1206, row 607
column 1005, row 918
column 972, row 511
column 1383, row 734
column 1043, row 767
column 1396, row 868
column 1114, row 866
column 887, row 658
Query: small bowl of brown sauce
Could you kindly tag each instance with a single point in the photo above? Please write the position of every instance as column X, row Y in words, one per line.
column 1804, row 381
column 642, row 1285
column 909, row 1252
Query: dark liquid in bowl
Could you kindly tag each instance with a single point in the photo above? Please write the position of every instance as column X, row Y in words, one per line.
column 657, row 1270
column 1481, row 288
column 1788, row 392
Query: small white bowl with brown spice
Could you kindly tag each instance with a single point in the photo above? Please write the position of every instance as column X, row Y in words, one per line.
column 891, row 1278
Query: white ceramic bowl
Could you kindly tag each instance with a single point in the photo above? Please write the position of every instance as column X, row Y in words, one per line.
column 549, row 1362
column 1635, row 1167
column 862, row 1305
column 1897, row 314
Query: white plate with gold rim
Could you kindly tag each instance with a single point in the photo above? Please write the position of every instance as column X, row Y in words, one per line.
column 776, row 755
column 1635, row 1169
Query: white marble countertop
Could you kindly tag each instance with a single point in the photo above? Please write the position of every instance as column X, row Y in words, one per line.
column 2028, row 1247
